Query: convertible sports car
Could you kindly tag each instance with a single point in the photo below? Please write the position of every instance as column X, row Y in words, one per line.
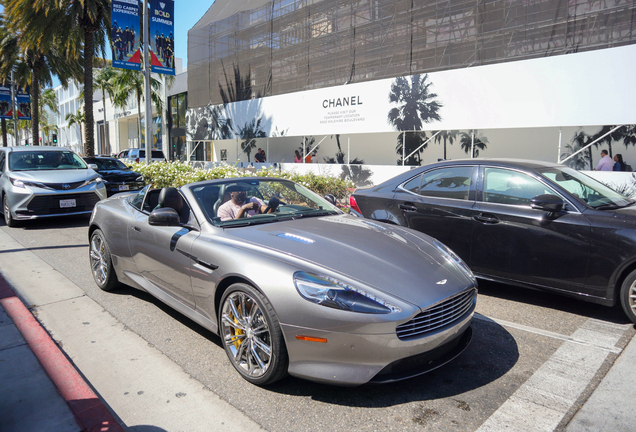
column 522, row 222
column 293, row 285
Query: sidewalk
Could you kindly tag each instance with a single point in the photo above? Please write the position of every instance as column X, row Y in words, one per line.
column 42, row 391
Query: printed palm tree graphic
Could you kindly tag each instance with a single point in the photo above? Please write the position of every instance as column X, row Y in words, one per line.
column 416, row 106
column 581, row 160
column 466, row 142
column 248, row 133
column 445, row 136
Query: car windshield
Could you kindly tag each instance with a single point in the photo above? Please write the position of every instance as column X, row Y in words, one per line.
column 294, row 201
column 585, row 188
column 45, row 160
column 108, row 164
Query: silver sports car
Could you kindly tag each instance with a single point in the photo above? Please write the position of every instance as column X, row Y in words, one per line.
column 290, row 283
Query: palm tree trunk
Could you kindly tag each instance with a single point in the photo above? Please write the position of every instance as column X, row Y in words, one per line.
column 106, row 137
column 89, row 44
column 139, row 120
column 35, row 104
column 4, row 133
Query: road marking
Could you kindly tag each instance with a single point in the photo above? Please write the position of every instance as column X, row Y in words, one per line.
column 542, row 401
column 604, row 336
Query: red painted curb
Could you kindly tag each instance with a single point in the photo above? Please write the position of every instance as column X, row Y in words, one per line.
column 89, row 411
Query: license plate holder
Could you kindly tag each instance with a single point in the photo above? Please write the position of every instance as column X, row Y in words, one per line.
column 67, row 203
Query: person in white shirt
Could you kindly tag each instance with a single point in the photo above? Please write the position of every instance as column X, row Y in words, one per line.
column 606, row 163
column 237, row 207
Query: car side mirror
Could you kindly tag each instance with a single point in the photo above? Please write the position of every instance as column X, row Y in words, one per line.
column 93, row 167
column 547, row 202
column 331, row 199
column 164, row 217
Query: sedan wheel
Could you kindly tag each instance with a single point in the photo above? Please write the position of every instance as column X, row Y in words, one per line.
column 101, row 262
column 251, row 335
column 8, row 219
column 628, row 296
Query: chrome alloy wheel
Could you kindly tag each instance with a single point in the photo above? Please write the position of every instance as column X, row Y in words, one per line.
column 99, row 260
column 631, row 297
column 246, row 334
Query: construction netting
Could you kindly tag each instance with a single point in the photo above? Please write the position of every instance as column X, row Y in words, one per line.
column 242, row 49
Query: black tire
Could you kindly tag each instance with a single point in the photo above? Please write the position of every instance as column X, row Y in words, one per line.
column 101, row 262
column 248, row 327
column 628, row 296
column 8, row 219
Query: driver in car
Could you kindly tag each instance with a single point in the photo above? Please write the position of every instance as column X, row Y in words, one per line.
column 237, row 207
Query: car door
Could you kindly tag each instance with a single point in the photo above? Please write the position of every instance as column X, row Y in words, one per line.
column 439, row 203
column 162, row 255
column 510, row 240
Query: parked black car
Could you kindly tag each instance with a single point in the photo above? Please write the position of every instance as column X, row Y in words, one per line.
column 117, row 176
column 526, row 223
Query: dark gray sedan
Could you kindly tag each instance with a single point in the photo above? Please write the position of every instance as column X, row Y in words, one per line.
column 529, row 223
column 289, row 282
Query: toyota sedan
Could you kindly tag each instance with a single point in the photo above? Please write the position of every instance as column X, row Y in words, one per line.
column 526, row 223
column 290, row 283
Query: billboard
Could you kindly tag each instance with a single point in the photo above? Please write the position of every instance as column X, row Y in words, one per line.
column 125, row 40
column 5, row 100
column 162, row 36
column 23, row 101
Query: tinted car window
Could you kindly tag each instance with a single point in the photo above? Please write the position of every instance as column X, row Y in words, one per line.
column 413, row 185
column 511, row 187
column 2, row 159
column 450, row 182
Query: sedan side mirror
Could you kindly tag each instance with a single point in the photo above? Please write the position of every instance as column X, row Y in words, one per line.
column 547, row 202
column 164, row 217
column 331, row 199
column 93, row 167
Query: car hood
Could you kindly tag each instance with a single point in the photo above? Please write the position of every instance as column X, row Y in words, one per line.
column 55, row 176
column 392, row 259
column 119, row 175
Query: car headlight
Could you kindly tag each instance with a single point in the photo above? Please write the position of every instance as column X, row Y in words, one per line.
column 454, row 259
column 90, row 181
column 24, row 183
column 330, row 292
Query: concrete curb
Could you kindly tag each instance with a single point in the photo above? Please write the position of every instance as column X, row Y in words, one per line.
column 89, row 411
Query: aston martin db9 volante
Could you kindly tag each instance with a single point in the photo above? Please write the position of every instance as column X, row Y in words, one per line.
column 528, row 223
column 38, row 182
column 290, row 283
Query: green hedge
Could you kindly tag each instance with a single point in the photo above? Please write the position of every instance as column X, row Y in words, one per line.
column 162, row 174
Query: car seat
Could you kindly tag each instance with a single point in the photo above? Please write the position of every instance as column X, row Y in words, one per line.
column 224, row 196
column 169, row 197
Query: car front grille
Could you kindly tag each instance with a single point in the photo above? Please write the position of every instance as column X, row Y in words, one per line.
column 64, row 186
column 438, row 316
column 50, row 204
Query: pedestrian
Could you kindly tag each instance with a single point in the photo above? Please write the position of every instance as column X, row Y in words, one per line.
column 264, row 156
column 619, row 165
column 258, row 157
column 605, row 164
column 297, row 158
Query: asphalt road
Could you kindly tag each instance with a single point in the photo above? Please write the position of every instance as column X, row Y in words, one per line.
column 518, row 334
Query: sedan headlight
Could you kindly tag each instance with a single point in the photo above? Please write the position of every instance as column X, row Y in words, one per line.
column 327, row 291
column 454, row 259
column 90, row 181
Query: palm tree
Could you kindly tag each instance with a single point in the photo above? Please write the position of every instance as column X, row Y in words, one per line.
column 103, row 81
column 48, row 100
column 466, row 142
column 248, row 133
column 127, row 83
column 77, row 119
column 416, row 105
column 447, row 135
column 84, row 28
column 42, row 47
